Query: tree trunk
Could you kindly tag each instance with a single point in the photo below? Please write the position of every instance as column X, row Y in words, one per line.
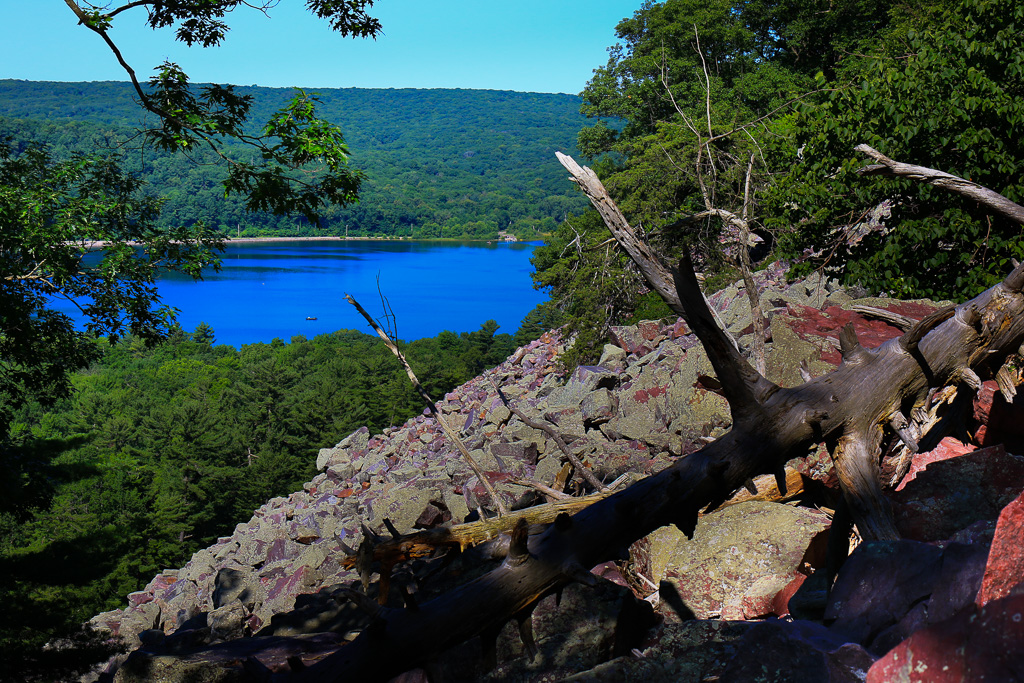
column 848, row 409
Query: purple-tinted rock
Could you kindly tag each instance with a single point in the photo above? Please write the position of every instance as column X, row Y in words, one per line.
column 281, row 549
column 879, row 584
column 139, row 598
column 290, row 585
column 304, row 534
column 175, row 589
column 432, row 515
column 523, row 451
column 252, row 552
column 952, row 494
column 963, row 567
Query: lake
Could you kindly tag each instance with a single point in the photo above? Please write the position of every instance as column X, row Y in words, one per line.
column 267, row 290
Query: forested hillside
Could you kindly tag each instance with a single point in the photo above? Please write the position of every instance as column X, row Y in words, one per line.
column 161, row 450
column 438, row 163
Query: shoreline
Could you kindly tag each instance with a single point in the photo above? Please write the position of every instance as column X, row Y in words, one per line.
column 313, row 238
column 96, row 244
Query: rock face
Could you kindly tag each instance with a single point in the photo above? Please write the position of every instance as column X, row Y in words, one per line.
column 275, row 582
column 982, row 645
column 738, row 559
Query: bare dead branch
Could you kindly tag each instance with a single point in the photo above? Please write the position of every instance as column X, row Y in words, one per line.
column 448, row 431
column 753, row 295
column 966, row 188
column 895, row 319
column 654, row 272
column 550, row 430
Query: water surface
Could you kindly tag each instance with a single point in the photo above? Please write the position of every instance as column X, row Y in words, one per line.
column 267, row 290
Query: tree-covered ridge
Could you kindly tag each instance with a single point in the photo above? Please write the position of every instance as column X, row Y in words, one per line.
column 161, row 450
column 437, row 163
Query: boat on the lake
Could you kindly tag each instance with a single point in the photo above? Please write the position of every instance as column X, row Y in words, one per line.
column 309, row 317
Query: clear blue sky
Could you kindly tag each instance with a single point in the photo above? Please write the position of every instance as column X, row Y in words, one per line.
column 525, row 45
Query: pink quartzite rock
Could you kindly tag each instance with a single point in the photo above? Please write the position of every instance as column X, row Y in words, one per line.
column 1005, row 568
column 630, row 340
column 952, row 494
column 982, row 645
column 760, row 599
column 948, row 448
column 139, row 598
column 999, row 421
column 810, row 324
column 780, row 603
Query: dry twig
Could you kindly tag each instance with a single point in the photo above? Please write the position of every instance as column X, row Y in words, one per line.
column 448, row 431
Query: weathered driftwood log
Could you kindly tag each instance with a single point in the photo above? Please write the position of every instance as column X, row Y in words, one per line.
column 423, row 544
column 848, row 409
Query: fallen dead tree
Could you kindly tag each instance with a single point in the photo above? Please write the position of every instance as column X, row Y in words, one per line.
column 874, row 393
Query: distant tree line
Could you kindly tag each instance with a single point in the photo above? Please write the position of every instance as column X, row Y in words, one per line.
column 436, row 163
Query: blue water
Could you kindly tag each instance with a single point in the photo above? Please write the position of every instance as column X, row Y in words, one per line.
column 266, row 290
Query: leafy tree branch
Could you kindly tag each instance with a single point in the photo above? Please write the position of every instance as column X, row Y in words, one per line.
column 294, row 138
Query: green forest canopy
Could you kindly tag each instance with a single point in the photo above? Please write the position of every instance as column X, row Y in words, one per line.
column 160, row 450
column 437, row 163
column 784, row 91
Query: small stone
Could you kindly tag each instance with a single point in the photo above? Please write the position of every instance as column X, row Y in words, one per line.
column 228, row 622
column 598, row 407
column 305, row 534
column 612, row 358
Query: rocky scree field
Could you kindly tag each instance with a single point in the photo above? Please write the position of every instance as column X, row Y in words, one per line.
column 742, row 600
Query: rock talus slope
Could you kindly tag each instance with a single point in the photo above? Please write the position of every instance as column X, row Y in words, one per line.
column 680, row 609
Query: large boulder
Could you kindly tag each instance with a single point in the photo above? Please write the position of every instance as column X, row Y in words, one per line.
column 738, row 559
column 949, row 495
column 974, row 645
column 1004, row 571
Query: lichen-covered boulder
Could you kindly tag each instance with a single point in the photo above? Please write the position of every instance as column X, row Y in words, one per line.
column 731, row 550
